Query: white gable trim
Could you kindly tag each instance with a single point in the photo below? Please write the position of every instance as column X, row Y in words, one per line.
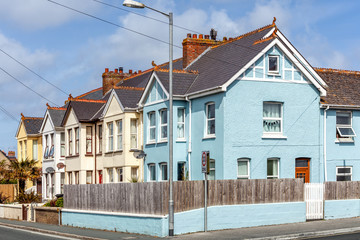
column 47, row 117
column 145, row 94
column 289, row 45
column 289, row 55
column 112, row 94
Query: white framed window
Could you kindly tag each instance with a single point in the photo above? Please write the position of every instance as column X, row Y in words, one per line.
column 70, row 178
column 210, row 119
column 163, row 171
column 344, row 125
column 77, row 179
column 243, row 170
column 163, row 124
column 133, row 134
column 181, row 123
column 46, row 152
column 151, row 127
column 273, row 168
column 62, row 142
column 21, row 151
column 272, row 118
column 152, row 172
column 273, row 64
column 110, row 136
column 77, row 137
column 62, row 182
column 211, row 175
column 119, row 141
column 134, row 173
column 344, row 173
column 52, row 148
column 25, row 146
column 89, row 139
column 89, row 177
column 120, row 176
column 110, row 173
column 70, row 141
column 35, row 150
column 100, row 138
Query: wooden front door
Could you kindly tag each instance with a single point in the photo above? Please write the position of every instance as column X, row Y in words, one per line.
column 302, row 169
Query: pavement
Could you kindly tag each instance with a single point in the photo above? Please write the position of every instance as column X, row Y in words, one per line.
column 306, row 230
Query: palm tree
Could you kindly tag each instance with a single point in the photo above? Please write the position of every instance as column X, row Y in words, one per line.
column 23, row 170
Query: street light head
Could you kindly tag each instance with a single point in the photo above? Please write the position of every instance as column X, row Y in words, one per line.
column 133, row 4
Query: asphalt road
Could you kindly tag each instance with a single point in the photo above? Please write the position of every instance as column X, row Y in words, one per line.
column 351, row 236
column 7, row 233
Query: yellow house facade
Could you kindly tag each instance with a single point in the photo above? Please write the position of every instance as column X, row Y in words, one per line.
column 29, row 144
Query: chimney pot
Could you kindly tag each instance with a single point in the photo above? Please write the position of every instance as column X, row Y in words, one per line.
column 121, row 69
column 200, row 36
column 106, row 70
column 130, row 71
column 11, row 153
column 116, row 70
column 224, row 39
column 230, row 39
column 207, row 36
column 139, row 71
column 188, row 35
column 194, row 35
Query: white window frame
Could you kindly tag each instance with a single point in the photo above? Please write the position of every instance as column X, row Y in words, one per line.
column 150, row 127
column 110, row 170
column 161, row 125
column 212, row 169
column 274, row 72
column 136, row 171
column 343, row 174
column 281, row 119
column 149, row 171
column 134, row 133
column 348, row 137
column 35, row 150
column 209, row 119
column 120, row 174
column 110, row 137
column 278, row 168
column 77, row 140
column 247, row 160
column 162, row 173
column 181, row 123
column 119, row 135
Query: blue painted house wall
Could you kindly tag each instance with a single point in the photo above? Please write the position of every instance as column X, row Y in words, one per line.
column 342, row 153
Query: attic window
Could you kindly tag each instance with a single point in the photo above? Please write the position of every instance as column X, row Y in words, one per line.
column 273, row 64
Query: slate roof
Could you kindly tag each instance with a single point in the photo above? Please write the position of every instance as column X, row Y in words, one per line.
column 57, row 116
column 129, row 97
column 222, row 62
column 139, row 81
column 177, row 64
column 84, row 110
column 181, row 81
column 343, row 86
column 95, row 94
column 32, row 124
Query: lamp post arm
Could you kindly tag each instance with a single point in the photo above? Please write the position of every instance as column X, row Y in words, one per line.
column 168, row 15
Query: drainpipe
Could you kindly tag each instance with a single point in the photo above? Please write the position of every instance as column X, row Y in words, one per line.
column 95, row 156
column 189, row 148
column 325, row 168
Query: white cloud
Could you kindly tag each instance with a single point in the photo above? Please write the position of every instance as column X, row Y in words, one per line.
column 36, row 14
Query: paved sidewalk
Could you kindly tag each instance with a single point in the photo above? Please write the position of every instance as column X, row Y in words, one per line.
column 286, row 231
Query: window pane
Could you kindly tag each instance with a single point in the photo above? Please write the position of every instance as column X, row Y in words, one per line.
column 152, row 133
column 343, row 118
column 163, row 116
column 180, row 129
column 133, row 141
column 273, row 64
column 152, row 119
column 211, row 127
column 181, row 114
column 211, row 111
column 344, row 170
column 272, row 110
column 272, row 168
column 164, row 132
column 152, row 172
column 133, row 126
column 346, row 132
column 343, row 178
column 164, row 172
column 301, row 163
column 272, row 125
column 243, row 168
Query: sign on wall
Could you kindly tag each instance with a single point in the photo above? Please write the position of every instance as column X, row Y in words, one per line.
column 205, row 157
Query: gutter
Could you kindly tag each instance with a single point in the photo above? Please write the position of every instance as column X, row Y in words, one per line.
column 325, row 165
column 333, row 106
column 205, row 92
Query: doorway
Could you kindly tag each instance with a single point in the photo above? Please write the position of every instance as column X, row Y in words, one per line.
column 302, row 169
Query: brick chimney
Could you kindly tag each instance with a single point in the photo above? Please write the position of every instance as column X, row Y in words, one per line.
column 11, row 154
column 110, row 79
column 194, row 46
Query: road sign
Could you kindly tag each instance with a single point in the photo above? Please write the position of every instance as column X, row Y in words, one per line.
column 204, row 162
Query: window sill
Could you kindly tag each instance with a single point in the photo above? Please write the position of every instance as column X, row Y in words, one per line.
column 209, row 137
column 72, row 156
column 89, row 155
column 134, row 150
column 150, row 143
column 163, row 141
column 344, row 140
column 273, row 136
column 273, row 74
column 181, row 140
column 115, row 151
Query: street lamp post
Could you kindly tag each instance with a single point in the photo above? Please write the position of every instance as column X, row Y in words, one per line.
column 135, row 4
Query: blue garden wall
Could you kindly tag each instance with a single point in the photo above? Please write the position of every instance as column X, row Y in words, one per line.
column 334, row 209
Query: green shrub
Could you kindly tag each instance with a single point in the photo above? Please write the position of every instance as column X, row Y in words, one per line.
column 28, row 198
column 60, row 202
column 6, row 181
column 3, row 198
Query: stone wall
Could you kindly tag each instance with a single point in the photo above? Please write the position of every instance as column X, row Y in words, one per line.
column 49, row 215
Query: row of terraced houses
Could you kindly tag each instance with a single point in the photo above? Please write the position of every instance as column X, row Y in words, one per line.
column 253, row 102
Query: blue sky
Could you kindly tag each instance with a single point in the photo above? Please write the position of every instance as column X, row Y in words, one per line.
column 72, row 50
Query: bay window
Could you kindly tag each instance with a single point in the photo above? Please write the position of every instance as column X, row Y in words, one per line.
column 163, row 124
column 151, row 127
column 77, row 135
column 119, row 135
column 110, row 136
column 89, row 140
column 133, row 134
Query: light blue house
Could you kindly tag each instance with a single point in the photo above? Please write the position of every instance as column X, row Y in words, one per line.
column 252, row 102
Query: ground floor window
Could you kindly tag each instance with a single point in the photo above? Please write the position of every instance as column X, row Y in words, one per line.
column 62, row 182
column 47, row 184
column 120, row 174
column 181, row 171
column 77, row 179
column 163, row 172
column 211, row 175
column 343, row 173
column 70, row 178
column 88, row 177
column 110, row 173
column 134, row 174
column 152, row 172
column 243, row 166
column 273, row 168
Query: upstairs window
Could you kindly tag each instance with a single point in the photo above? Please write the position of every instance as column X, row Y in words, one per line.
column 273, row 64
column 62, row 141
column 163, row 124
column 344, row 128
column 51, row 152
column 100, row 138
column 77, row 136
column 46, row 152
column 88, row 139
column 119, row 134
column 181, row 123
column 133, row 134
column 25, row 146
column 152, row 127
column 70, row 138
column 110, row 136
column 343, row 173
column 272, row 117
column 35, row 149
column 210, row 119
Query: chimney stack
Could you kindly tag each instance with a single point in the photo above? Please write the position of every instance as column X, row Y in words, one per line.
column 111, row 79
column 194, row 46
column 11, row 154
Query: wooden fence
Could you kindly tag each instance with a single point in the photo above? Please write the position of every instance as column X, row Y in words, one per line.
column 342, row 190
column 153, row 197
column 8, row 190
